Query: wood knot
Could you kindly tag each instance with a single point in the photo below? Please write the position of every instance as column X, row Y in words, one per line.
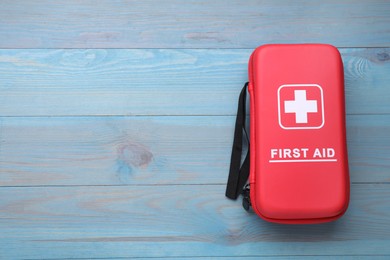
column 134, row 154
column 383, row 56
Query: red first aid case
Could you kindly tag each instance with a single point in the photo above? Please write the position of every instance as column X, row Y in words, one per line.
column 297, row 160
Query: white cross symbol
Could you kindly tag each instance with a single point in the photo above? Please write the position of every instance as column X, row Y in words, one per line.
column 300, row 106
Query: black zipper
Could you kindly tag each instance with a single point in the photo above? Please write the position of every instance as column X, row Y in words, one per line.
column 246, row 200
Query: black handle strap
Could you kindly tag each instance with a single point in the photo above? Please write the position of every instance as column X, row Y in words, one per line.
column 238, row 176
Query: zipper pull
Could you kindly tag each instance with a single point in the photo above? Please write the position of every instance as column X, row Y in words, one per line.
column 246, row 201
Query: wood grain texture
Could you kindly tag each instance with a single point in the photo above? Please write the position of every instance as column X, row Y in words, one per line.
column 152, row 150
column 159, row 82
column 354, row 257
column 123, row 153
column 157, row 221
column 192, row 24
column 359, row 257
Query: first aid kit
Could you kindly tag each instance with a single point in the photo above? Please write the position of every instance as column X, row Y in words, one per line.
column 297, row 160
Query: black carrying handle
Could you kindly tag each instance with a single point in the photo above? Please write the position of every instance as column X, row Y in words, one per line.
column 238, row 176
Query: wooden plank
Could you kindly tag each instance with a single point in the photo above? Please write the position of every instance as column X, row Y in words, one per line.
column 192, row 24
column 157, row 221
column 360, row 257
column 152, row 150
column 159, row 82
column 120, row 82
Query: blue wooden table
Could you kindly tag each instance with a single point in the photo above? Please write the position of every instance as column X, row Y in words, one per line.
column 116, row 124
